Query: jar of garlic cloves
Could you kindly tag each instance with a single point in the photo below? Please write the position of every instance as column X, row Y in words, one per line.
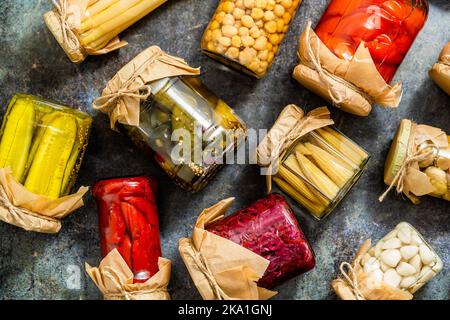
column 316, row 165
column 246, row 34
column 166, row 111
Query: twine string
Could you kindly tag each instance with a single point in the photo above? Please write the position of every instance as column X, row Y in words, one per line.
column 351, row 279
column 66, row 29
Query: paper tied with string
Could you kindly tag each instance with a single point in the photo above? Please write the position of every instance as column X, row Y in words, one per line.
column 33, row 212
column 122, row 97
column 352, row 86
column 355, row 284
column 440, row 72
column 114, row 279
column 220, row 268
column 424, row 144
column 64, row 21
column 290, row 126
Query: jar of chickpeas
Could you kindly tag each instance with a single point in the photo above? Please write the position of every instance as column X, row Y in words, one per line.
column 246, row 34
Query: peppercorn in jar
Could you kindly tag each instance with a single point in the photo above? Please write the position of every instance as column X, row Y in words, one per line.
column 246, row 34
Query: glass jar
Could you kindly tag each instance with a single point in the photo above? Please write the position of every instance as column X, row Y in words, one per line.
column 246, row 34
column 320, row 169
column 402, row 259
column 188, row 128
column 388, row 29
column 128, row 222
column 269, row 228
column 43, row 143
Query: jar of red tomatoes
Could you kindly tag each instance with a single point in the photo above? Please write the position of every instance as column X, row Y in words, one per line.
column 128, row 221
column 387, row 28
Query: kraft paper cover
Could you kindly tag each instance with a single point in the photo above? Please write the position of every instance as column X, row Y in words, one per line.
column 290, row 126
column 33, row 212
column 75, row 11
column 220, row 268
column 440, row 72
column 361, row 286
column 416, row 181
column 122, row 97
column 114, row 279
column 352, row 85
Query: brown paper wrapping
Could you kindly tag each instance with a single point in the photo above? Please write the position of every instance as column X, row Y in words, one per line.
column 357, row 285
column 290, row 126
column 114, row 279
column 33, row 212
column 350, row 85
column 220, row 268
column 122, row 97
column 440, row 72
column 409, row 179
column 63, row 22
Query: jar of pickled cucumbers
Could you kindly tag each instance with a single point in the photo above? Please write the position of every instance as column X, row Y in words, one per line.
column 187, row 128
column 43, row 144
column 246, row 34
column 387, row 28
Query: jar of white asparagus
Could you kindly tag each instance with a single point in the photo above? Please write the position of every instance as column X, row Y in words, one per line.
column 246, row 34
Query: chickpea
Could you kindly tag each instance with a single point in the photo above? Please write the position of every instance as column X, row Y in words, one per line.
column 254, row 65
column 243, row 31
column 279, row 10
column 269, row 15
column 238, row 13
column 229, row 31
column 274, row 39
column 214, row 25
column 269, row 46
column 270, row 57
column 286, row 3
column 257, row 13
column 208, row 35
column 262, row 55
column 246, row 56
column 261, row 4
column 239, row 4
column 248, row 41
column 259, row 23
column 215, row 35
column 280, row 25
column 236, row 41
column 271, row 26
column 232, row 53
column 228, row 7
column 287, row 18
column 225, row 41
column 220, row 16
column 228, row 20
column 264, row 65
column 210, row 46
column 255, row 32
column 220, row 49
column 249, row 4
column 247, row 21
column 270, row 4
column 260, row 43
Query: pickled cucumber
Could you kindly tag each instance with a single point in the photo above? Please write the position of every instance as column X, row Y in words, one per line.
column 46, row 174
column 17, row 137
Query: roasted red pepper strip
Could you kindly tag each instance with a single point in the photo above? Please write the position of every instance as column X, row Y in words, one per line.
column 146, row 207
column 116, row 225
column 125, row 250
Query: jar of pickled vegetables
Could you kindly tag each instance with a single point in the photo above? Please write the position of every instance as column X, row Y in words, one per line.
column 387, row 29
column 246, row 34
column 128, row 222
column 183, row 107
column 317, row 165
column 269, row 228
column 43, row 143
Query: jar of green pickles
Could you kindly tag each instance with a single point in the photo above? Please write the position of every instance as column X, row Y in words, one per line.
column 188, row 129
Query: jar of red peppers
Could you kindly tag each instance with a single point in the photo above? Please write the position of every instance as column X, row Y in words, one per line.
column 128, row 221
column 355, row 51
column 388, row 28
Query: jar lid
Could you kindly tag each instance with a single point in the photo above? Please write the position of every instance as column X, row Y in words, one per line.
column 397, row 153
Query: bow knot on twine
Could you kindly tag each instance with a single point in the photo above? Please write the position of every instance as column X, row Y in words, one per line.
column 123, row 294
column 141, row 93
column 326, row 76
column 202, row 264
column 417, row 156
column 67, row 32
column 351, row 279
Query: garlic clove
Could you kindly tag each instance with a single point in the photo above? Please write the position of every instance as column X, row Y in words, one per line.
column 408, row 252
column 425, row 254
column 392, row 278
column 391, row 257
column 393, row 243
column 404, row 234
column 405, row 269
column 408, row 282
column 416, row 262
